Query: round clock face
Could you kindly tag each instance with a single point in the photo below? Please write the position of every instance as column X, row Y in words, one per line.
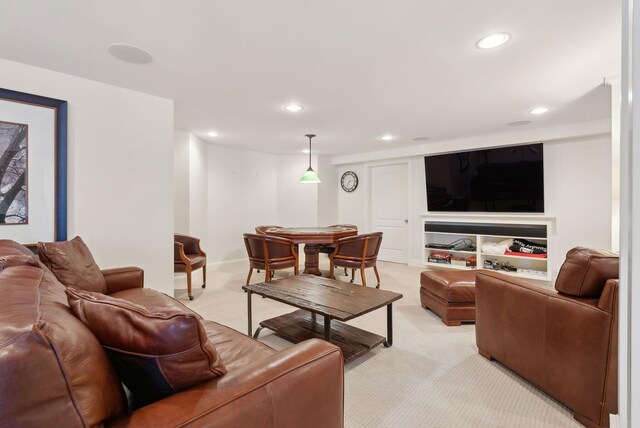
column 349, row 181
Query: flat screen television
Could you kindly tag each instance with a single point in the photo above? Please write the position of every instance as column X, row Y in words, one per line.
column 506, row 179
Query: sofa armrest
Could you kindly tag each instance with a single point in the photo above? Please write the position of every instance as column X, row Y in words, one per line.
column 123, row 278
column 300, row 386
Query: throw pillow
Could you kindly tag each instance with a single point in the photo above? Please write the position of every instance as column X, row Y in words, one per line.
column 156, row 353
column 72, row 263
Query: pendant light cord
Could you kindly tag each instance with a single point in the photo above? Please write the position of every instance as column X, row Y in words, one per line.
column 310, row 152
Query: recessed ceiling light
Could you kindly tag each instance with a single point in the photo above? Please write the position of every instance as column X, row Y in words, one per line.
column 293, row 108
column 387, row 137
column 519, row 123
column 129, row 53
column 212, row 134
column 493, row 40
column 539, row 110
column 421, row 138
column 305, row 151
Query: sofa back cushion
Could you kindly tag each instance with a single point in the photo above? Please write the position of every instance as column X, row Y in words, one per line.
column 585, row 271
column 52, row 368
column 12, row 248
column 72, row 263
column 156, row 352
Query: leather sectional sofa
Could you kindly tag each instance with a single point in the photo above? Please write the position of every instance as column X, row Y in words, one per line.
column 564, row 341
column 54, row 372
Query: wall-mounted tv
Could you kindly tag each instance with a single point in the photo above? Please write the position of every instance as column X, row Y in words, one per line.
column 506, row 179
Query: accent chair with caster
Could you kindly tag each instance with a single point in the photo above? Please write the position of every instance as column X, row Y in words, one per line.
column 357, row 252
column 187, row 257
column 270, row 253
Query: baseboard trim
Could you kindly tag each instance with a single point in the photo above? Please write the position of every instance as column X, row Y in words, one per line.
column 212, row 265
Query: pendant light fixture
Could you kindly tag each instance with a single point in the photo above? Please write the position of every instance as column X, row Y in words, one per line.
column 310, row 175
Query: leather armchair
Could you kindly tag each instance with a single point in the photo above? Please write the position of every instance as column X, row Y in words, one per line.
column 187, row 257
column 564, row 341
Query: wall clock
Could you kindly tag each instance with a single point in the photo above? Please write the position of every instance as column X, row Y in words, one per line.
column 349, row 181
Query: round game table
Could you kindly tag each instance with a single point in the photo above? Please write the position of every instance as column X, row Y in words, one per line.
column 311, row 237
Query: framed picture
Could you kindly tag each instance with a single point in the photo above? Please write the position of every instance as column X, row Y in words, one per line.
column 33, row 167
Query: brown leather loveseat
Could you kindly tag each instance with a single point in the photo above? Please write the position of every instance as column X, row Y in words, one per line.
column 54, row 372
column 565, row 341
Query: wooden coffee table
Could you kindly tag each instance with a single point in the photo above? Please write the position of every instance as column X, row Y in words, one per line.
column 334, row 301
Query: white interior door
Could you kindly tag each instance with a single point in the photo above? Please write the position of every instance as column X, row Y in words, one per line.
column 390, row 210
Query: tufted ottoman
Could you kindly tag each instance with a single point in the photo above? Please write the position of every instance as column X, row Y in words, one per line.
column 449, row 294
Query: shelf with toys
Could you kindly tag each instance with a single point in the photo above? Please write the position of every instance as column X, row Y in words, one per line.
column 519, row 249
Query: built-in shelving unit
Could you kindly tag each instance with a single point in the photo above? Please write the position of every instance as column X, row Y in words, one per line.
column 479, row 230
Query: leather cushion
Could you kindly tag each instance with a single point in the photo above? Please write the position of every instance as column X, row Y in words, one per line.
column 72, row 263
column 156, row 352
column 236, row 349
column 152, row 300
column 585, row 271
column 451, row 286
column 12, row 248
column 18, row 260
column 53, row 370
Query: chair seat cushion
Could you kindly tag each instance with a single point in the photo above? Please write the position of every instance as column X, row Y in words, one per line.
column 197, row 261
column 282, row 264
column 353, row 264
column 451, row 286
column 155, row 352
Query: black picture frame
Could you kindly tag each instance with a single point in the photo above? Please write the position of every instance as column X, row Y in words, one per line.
column 60, row 108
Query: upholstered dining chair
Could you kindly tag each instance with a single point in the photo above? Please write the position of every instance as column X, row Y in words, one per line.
column 330, row 248
column 262, row 230
column 187, row 257
column 357, row 252
column 270, row 253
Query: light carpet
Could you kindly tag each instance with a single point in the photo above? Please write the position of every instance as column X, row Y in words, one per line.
column 432, row 376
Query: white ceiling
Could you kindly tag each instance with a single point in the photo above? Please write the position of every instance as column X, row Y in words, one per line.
column 361, row 68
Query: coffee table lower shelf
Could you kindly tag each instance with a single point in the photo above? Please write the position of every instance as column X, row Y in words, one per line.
column 299, row 325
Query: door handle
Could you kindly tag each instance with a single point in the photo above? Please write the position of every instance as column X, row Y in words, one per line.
column 406, row 221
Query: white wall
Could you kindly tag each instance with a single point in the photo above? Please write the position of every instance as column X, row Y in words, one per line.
column 351, row 205
column 297, row 202
column 120, row 148
column 198, row 189
column 232, row 191
column 577, row 193
column 242, row 194
column 327, row 192
column 181, row 182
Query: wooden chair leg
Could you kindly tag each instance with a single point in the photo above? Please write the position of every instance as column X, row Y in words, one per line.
column 249, row 277
column 364, row 278
column 375, row 269
column 267, row 275
column 345, row 272
column 353, row 274
column 295, row 270
column 331, row 267
column 189, row 284
column 204, row 276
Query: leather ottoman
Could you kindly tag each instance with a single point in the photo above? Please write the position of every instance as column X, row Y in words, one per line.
column 449, row 294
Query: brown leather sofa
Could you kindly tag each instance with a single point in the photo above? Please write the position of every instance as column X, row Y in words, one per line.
column 565, row 341
column 54, row 371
